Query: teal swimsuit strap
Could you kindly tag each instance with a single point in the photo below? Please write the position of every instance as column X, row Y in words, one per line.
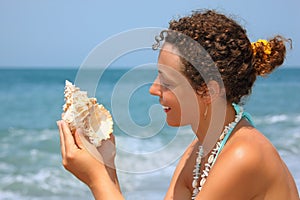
column 245, row 115
column 248, row 117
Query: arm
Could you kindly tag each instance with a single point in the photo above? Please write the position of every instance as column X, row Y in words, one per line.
column 178, row 188
column 100, row 178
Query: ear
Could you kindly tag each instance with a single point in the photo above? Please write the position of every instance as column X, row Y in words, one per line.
column 213, row 92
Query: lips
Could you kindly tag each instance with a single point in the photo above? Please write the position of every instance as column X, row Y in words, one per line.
column 166, row 108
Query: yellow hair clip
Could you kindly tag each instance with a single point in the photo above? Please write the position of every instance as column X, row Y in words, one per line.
column 266, row 46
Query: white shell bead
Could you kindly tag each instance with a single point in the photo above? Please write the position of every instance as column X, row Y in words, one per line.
column 194, row 184
column 222, row 136
column 196, row 190
column 207, row 165
column 210, row 159
column 205, row 172
column 202, row 182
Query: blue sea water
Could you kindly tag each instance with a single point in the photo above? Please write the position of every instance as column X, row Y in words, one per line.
column 31, row 102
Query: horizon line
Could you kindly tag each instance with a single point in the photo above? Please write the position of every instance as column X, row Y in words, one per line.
column 43, row 67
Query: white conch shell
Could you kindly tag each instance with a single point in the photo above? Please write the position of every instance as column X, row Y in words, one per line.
column 86, row 114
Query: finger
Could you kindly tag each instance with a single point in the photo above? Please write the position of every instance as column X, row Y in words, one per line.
column 62, row 142
column 106, row 145
column 112, row 138
column 108, row 148
column 68, row 138
column 78, row 140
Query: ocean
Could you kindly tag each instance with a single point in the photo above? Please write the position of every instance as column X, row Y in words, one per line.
column 147, row 149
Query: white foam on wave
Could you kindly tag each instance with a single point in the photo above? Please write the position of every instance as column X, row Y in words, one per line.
column 297, row 118
column 31, row 167
column 143, row 156
column 154, row 183
column 149, row 170
column 38, row 173
column 274, row 119
column 30, row 136
column 44, row 182
column 278, row 118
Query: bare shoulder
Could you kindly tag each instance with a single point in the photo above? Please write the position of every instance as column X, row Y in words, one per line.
column 240, row 164
column 249, row 146
column 248, row 160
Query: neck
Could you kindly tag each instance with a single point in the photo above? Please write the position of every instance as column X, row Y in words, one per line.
column 209, row 128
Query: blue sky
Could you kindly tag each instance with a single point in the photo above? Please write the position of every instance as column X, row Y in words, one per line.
column 61, row 33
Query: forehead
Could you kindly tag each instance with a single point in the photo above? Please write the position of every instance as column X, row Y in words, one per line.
column 170, row 66
column 169, row 59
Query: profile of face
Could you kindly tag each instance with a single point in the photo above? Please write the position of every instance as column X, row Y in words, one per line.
column 176, row 95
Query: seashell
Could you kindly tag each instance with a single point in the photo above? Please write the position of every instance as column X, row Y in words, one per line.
column 84, row 113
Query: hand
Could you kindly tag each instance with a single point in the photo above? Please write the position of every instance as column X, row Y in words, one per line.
column 78, row 160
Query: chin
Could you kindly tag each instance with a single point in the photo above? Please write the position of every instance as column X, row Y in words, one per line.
column 174, row 123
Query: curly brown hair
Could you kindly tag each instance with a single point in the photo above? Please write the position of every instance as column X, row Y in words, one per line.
column 228, row 47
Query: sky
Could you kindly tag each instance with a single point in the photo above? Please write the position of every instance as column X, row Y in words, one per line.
column 62, row 33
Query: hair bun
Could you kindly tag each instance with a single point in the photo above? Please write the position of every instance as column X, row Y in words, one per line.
column 268, row 55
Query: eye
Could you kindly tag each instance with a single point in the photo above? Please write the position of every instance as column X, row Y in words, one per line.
column 165, row 83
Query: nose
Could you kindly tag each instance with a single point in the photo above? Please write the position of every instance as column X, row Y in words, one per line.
column 155, row 88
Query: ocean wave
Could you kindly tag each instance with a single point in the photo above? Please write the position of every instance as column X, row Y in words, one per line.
column 33, row 170
column 44, row 183
column 146, row 156
column 31, row 167
column 274, row 119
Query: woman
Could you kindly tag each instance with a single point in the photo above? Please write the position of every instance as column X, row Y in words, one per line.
column 206, row 66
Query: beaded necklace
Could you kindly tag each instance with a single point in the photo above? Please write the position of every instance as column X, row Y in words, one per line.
column 214, row 153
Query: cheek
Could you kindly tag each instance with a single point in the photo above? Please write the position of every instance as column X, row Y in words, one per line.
column 171, row 99
column 188, row 104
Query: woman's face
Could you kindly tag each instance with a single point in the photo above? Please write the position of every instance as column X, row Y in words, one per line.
column 176, row 95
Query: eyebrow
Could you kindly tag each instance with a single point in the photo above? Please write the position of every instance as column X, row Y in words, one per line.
column 161, row 73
